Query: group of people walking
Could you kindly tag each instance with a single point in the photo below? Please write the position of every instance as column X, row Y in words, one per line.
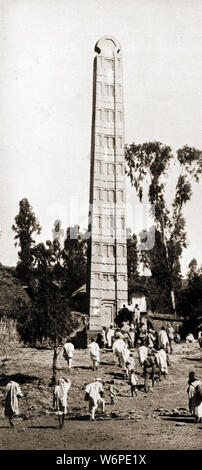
column 134, row 333
column 152, row 352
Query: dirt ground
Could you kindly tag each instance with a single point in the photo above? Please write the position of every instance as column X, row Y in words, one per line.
column 157, row 420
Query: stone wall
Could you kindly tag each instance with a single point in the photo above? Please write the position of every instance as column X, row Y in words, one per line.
column 159, row 320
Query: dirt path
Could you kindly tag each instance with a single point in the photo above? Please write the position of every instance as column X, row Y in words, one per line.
column 156, row 420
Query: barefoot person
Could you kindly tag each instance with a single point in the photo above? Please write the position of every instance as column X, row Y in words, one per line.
column 133, row 382
column 149, row 369
column 170, row 332
column 194, row 391
column 130, row 365
column 110, row 336
column 68, row 351
column 142, row 352
column 94, row 353
column 11, row 402
column 161, row 360
column 60, row 399
column 112, row 391
column 163, row 341
column 118, row 349
column 94, row 395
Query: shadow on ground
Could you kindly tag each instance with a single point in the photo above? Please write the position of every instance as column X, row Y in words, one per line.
column 180, row 419
column 198, row 359
column 19, row 378
column 43, row 427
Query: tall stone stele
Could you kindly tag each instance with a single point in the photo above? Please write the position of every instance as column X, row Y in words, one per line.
column 107, row 285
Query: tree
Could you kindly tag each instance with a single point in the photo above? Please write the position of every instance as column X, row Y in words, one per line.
column 193, row 271
column 25, row 227
column 190, row 298
column 49, row 318
column 75, row 258
column 149, row 165
column 132, row 255
column 51, row 272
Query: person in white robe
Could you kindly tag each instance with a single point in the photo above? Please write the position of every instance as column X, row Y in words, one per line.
column 190, row 338
column 60, row 395
column 195, row 399
column 118, row 349
column 163, row 341
column 130, row 365
column 161, row 360
column 94, row 394
column 94, row 354
column 142, row 353
column 68, row 351
column 110, row 336
column 11, row 402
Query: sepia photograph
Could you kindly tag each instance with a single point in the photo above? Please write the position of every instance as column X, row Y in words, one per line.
column 100, row 231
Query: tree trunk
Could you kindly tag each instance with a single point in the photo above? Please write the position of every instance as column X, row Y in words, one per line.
column 54, row 376
column 172, row 294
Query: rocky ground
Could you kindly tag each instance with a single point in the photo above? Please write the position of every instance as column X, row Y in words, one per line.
column 155, row 420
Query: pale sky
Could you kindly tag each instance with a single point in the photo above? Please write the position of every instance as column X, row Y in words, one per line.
column 46, row 61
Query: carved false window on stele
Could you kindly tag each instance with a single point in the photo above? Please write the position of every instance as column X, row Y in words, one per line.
column 123, row 223
column 110, row 168
column 99, row 115
column 111, row 142
column 120, row 195
column 108, row 115
column 104, row 251
column 111, row 250
column 119, row 140
column 111, row 195
column 97, row 249
column 108, row 142
column 121, row 251
column 108, row 90
column 105, row 195
column 99, row 167
column 98, row 140
column 120, row 169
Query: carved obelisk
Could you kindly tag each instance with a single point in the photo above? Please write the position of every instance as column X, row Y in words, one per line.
column 107, row 285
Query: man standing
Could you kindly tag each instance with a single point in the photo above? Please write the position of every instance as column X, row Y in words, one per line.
column 119, row 347
column 11, row 401
column 60, row 399
column 136, row 314
column 94, row 353
column 68, row 351
column 110, row 336
column 195, row 398
column 161, row 360
column 170, row 332
column 163, row 340
column 142, row 352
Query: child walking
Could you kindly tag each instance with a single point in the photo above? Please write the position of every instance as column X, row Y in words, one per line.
column 133, row 382
column 112, row 391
